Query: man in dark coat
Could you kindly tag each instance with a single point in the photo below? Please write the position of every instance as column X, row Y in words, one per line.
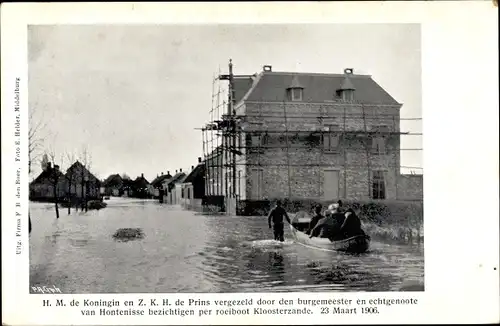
column 276, row 216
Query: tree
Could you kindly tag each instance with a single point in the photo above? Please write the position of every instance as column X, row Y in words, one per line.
column 36, row 138
column 86, row 160
column 54, row 175
column 71, row 178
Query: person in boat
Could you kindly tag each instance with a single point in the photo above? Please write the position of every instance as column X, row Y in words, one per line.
column 340, row 208
column 328, row 226
column 276, row 216
column 315, row 219
column 351, row 226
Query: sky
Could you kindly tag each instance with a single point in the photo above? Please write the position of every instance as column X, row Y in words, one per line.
column 133, row 95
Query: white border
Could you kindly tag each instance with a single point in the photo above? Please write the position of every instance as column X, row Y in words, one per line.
column 460, row 113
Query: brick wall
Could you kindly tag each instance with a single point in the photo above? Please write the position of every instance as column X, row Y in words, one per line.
column 410, row 187
column 306, row 157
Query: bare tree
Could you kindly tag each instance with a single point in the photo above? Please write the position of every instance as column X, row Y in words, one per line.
column 86, row 160
column 54, row 179
column 36, row 138
column 70, row 176
column 35, row 144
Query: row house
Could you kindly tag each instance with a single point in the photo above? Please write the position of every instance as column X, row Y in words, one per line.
column 193, row 187
column 157, row 185
column 77, row 183
column 172, row 188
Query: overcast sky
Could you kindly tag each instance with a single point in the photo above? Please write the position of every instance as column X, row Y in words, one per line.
column 135, row 94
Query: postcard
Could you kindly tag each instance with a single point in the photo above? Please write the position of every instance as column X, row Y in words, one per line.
column 250, row 163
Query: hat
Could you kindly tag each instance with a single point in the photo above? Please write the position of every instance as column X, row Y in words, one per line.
column 333, row 207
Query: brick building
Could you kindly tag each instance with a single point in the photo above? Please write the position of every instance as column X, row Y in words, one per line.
column 313, row 136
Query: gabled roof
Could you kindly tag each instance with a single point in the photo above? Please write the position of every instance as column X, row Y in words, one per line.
column 318, row 88
column 86, row 172
column 181, row 179
column 46, row 175
column 198, row 171
column 175, row 179
column 140, row 182
column 113, row 180
column 159, row 180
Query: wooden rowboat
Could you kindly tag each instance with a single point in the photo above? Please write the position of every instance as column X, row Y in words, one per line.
column 356, row 244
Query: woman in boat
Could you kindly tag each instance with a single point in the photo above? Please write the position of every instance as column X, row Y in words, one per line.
column 351, row 226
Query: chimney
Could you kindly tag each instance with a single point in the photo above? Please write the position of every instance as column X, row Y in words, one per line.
column 192, row 167
column 199, row 159
column 168, row 172
column 267, row 68
column 162, row 173
column 49, row 165
column 180, row 170
column 348, row 71
column 142, row 175
column 175, row 171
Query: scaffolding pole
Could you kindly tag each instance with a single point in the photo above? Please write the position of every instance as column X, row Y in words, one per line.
column 368, row 159
column 287, row 152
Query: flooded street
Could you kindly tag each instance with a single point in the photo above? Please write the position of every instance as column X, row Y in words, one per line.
column 183, row 251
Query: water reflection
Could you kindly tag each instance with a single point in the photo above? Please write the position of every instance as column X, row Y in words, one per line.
column 185, row 252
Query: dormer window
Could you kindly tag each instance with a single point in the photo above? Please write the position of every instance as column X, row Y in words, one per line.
column 346, row 90
column 296, row 94
column 295, row 90
column 348, row 95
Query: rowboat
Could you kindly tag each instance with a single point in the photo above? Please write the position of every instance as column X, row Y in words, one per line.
column 356, row 244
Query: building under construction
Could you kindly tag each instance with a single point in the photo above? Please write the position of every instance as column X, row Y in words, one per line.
column 304, row 136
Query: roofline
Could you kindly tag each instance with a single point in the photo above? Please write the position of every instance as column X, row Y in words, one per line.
column 313, row 74
column 330, row 102
column 256, row 81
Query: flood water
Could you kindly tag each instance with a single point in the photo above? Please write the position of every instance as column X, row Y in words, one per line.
column 183, row 251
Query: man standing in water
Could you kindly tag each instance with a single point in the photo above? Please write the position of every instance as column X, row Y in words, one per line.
column 276, row 216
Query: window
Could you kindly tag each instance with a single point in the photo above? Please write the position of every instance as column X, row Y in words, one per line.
column 378, row 185
column 256, row 183
column 189, row 193
column 296, row 94
column 331, row 139
column 378, row 145
column 258, row 140
column 182, row 192
column 347, row 95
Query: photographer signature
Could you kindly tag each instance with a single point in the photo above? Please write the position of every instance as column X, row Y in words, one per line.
column 45, row 289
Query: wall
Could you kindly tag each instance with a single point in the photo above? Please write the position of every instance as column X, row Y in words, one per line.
column 305, row 154
column 411, row 187
column 177, row 192
column 76, row 190
column 45, row 190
